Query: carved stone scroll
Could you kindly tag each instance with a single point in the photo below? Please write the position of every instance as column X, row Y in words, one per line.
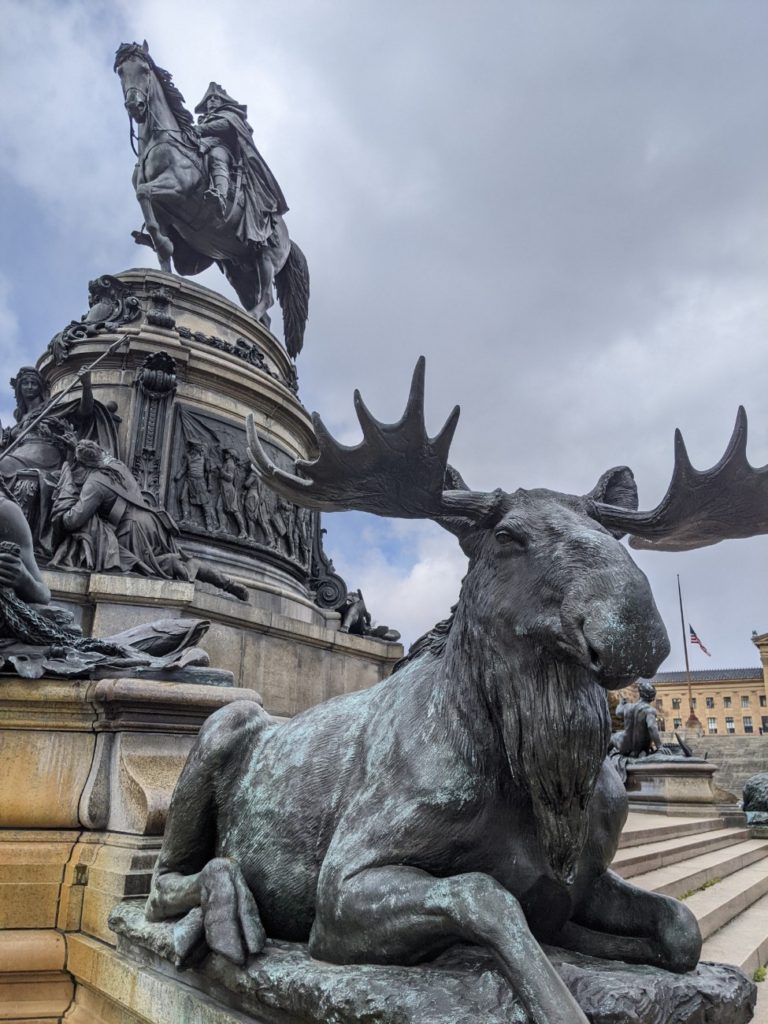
column 330, row 589
column 111, row 305
column 156, row 384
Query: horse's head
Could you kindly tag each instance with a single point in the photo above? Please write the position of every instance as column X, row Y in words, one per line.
column 135, row 68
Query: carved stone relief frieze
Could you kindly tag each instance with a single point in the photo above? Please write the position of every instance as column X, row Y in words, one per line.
column 213, row 491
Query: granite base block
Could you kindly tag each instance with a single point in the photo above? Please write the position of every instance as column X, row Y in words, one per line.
column 284, row 985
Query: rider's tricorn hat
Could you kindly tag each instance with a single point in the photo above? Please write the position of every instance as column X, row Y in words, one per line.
column 214, row 89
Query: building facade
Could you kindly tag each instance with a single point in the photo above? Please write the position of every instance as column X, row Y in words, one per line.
column 727, row 701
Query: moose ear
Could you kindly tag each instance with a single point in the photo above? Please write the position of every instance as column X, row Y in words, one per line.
column 616, row 487
column 462, row 528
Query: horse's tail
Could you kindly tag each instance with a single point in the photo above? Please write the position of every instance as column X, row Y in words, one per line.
column 292, row 284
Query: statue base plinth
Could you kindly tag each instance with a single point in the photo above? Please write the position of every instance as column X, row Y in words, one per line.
column 284, row 984
column 89, row 767
column 680, row 787
column 261, row 648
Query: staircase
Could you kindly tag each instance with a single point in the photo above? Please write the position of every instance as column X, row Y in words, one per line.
column 721, row 874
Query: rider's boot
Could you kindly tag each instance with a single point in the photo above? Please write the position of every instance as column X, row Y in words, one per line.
column 219, row 189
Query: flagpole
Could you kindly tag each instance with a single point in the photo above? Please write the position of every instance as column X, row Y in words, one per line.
column 693, row 721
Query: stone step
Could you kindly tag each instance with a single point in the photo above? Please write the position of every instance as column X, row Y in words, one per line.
column 743, row 942
column 637, row 860
column 761, row 1008
column 717, row 906
column 648, row 828
column 687, row 875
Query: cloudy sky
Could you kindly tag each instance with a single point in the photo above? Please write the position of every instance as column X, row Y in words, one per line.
column 563, row 205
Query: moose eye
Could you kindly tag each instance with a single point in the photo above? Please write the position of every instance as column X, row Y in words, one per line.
column 510, row 538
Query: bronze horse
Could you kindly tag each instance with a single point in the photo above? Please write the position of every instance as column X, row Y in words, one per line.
column 184, row 225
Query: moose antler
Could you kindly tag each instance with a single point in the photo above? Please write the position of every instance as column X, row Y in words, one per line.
column 701, row 507
column 397, row 469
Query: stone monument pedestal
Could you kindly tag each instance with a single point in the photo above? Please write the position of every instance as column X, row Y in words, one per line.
column 89, row 767
column 680, row 787
column 189, row 369
column 292, row 662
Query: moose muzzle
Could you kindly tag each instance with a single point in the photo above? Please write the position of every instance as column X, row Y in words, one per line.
column 614, row 627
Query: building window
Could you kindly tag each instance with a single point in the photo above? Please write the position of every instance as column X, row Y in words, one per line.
column 693, row 702
column 745, row 701
column 677, row 723
column 747, row 722
column 726, row 702
column 765, row 725
column 729, row 726
column 660, row 704
column 711, row 725
column 763, row 700
column 710, row 702
column 676, row 703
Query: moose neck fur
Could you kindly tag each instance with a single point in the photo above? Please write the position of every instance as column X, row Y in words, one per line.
column 517, row 710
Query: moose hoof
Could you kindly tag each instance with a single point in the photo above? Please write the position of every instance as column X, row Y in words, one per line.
column 229, row 912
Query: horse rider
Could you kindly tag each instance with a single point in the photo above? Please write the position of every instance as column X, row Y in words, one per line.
column 227, row 139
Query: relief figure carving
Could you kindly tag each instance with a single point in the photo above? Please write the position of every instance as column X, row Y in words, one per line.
column 34, row 449
column 194, row 492
column 109, row 526
column 229, row 483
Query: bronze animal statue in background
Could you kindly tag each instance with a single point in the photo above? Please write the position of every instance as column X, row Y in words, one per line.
column 466, row 798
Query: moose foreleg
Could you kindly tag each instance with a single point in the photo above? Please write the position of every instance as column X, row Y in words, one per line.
column 222, row 912
column 402, row 915
column 618, row 921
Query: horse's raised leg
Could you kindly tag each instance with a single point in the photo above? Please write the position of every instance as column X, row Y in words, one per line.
column 169, row 185
column 162, row 243
column 402, row 915
column 618, row 921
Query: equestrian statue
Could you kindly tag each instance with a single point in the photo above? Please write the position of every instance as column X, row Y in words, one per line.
column 207, row 194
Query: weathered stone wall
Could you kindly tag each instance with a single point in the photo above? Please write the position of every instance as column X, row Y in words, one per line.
column 88, row 772
column 738, row 758
column 293, row 663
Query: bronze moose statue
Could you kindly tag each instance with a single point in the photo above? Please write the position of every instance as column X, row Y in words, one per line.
column 466, row 798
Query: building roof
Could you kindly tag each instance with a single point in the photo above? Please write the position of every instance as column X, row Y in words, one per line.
column 710, row 675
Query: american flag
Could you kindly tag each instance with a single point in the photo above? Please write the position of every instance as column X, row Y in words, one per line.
column 695, row 640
